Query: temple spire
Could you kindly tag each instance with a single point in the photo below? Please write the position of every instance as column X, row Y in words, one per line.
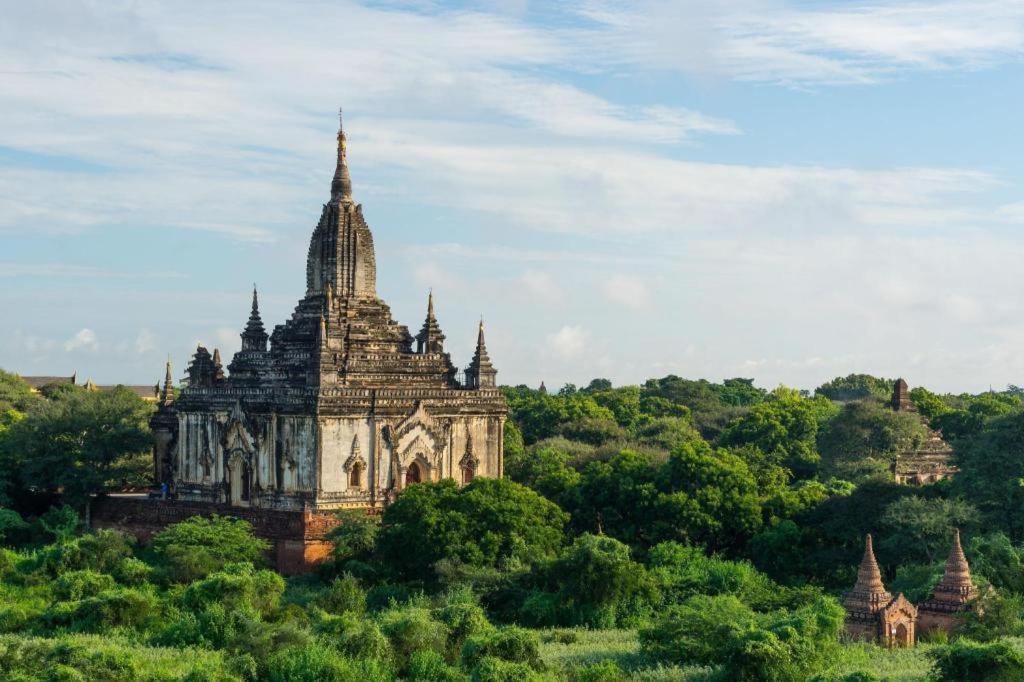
column 956, row 584
column 868, row 594
column 431, row 338
column 167, row 395
column 481, row 373
column 341, row 185
column 254, row 337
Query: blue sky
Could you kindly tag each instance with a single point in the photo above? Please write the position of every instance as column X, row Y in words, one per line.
column 788, row 191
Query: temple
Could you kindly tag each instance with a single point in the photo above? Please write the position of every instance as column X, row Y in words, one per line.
column 874, row 615
column 334, row 408
column 927, row 462
column 954, row 596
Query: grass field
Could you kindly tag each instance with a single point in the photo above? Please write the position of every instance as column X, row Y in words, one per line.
column 570, row 649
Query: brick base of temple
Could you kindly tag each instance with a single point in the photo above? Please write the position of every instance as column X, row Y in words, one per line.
column 298, row 538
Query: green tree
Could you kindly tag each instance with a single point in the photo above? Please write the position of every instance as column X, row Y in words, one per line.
column 489, row 523
column 918, row 529
column 199, row 546
column 965, row 660
column 81, row 443
column 856, row 387
column 16, row 394
column 863, row 440
column 991, row 471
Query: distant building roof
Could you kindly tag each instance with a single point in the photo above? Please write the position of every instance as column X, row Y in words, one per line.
column 41, row 382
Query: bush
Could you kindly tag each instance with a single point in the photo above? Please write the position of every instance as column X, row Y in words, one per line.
column 462, row 621
column 430, row 666
column 411, row 629
column 77, row 585
column 343, row 595
column 721, row 630
column 497, row 670
column 101, row 551
column 967, row 660
column 239, row 587
column 13, row 529
column 512, row 644
column 199, row 546
column 605, row 671
column 318, row 663
column 118, row 607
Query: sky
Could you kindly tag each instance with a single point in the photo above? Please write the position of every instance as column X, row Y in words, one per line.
column 781, row 190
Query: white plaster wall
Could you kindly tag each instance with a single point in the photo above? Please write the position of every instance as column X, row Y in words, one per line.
column 336, row 439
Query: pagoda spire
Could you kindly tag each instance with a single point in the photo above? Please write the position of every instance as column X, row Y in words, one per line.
column 481, row 373
column 167, row 394
column 341, row 185
column 868, row 594
column 431, row 338
column 956, row 584
column 255, row 335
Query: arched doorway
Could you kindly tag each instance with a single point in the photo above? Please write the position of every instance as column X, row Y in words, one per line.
column 468, row 471
column 413, row 474
column 355, row 476
column 239, row 480
column 902, row 636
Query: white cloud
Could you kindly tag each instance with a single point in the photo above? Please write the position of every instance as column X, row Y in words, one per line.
column 627, row 291
column 569, row 342
column 542, row 287
column 782, row 41
column 145, row 342
column 84, row 339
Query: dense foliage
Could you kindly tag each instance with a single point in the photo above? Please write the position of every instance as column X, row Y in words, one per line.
column 675, row 530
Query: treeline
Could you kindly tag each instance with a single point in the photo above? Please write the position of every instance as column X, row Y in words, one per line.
column 718, row 521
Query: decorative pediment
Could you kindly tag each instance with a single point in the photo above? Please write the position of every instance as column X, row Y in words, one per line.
column 469, row 459
column 239, row 444
column 355, row 458
column 419, row 434
column 899, row 608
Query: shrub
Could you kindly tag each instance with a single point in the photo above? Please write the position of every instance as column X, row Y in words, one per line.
column 77, row 585
column 101, row 551
column 13, row 529
column 361, row 638
column 118, row 607
column 605, row 671
column 237, row 587
column 411, row 629
column 200, row 546
column 698, row 631
column 132, row 571
column 318, row 663
column 462, row 622
column 430, row 666
column 387, row 596
column 513, row 644
column 497, row 670
column 967, row 660
column 343, row 595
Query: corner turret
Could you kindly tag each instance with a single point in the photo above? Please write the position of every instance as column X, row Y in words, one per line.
column 481, row 373
column 431, row 338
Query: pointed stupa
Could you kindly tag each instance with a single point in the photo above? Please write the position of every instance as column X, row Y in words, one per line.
column 218, row 367
column 255, row 335
column 167, row 395
column 431, row 338
column 543, row 389
column 956, row 585
column 868, row 594
column 341, row 185
column 481, row 373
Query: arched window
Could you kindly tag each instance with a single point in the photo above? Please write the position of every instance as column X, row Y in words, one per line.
column 413, row 474
column 468, row 471
column 355, row 476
